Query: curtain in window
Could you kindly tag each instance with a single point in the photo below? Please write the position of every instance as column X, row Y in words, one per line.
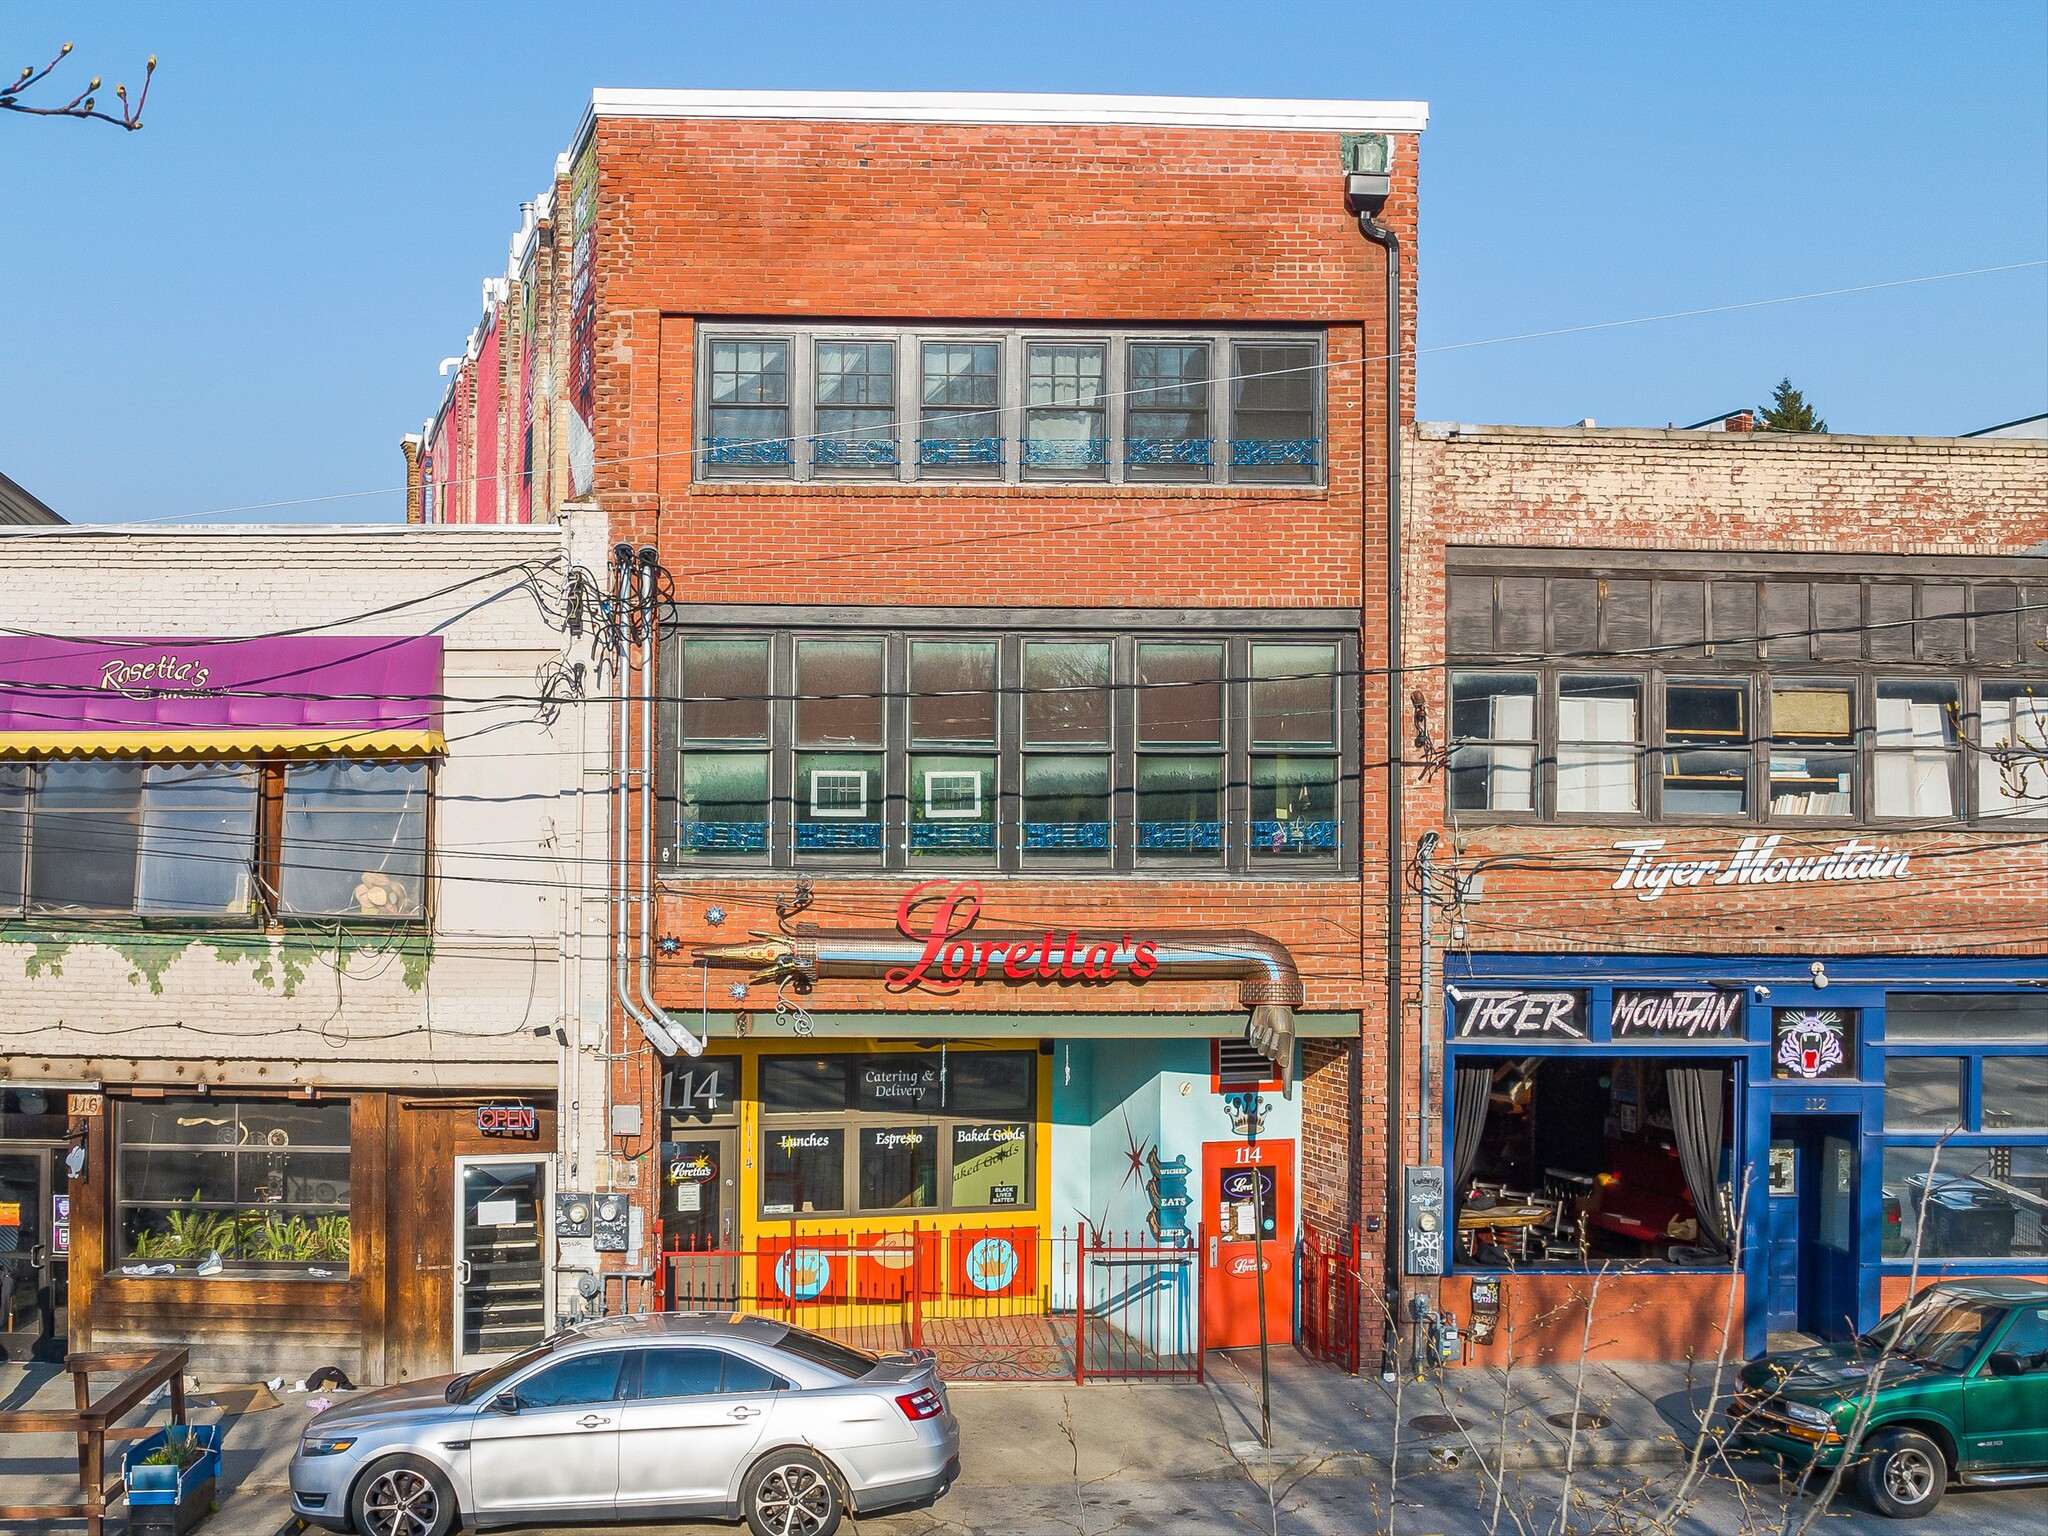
column 1696, row 1124
column 1474, row 1084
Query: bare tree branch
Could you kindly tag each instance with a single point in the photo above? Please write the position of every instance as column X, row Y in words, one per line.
column 84, row 104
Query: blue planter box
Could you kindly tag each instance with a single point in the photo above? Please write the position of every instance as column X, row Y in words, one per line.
column 171, row 1499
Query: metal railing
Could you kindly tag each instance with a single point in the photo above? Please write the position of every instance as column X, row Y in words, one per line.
column 994, row 1303
column 1328, row 1294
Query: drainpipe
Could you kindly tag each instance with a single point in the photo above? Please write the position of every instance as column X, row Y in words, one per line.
column 625, row 604
column 650, row 611
column 1365, row 194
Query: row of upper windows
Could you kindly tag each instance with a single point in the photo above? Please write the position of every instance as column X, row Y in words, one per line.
column 1545, row 742
column 192, row 840
column 1016, row 406
column 1078, row 752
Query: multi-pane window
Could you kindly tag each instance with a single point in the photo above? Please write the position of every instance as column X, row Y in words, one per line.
column 2012, row 755
column 1066, row 742
column 1066, row 408
column 1493, row 722
column 953, row 735
column 839, row 740
column 1027, row 404
column 722, row 804
column 855, row 422
column 960, row 426
column 749, row 402
column 1599, row 736
column 188, row 839
column 260, row 1183
column 901, row 1131
column 355, row 839
column 1180, row 761
column 1166, row 420
column 1274, row 388
column 1813, row 747
column 1041, row 749
column 1294, row 750
column 1966, row 1126
column 1706, row 747
column 1752, row 697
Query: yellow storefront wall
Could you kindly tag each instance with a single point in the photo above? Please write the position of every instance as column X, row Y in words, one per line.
column 872, row 1241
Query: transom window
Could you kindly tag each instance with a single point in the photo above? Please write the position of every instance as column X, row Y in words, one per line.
column 1022, row 751
column 1748, row 697
column 1014, row 405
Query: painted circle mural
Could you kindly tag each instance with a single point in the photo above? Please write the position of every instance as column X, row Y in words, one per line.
column 803, row 1273
column 991, row 1264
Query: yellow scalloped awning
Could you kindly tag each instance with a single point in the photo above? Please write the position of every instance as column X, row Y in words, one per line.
column 247, row 742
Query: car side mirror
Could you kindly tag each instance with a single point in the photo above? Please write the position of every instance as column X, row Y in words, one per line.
column 504, row 1402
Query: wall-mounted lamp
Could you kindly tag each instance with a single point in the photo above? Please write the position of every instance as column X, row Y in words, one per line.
column 1820, row 973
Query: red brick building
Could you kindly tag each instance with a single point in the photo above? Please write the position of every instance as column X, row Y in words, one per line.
column 1741, row 775
column 1017, row 473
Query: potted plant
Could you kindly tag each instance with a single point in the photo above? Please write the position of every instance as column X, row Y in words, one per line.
column 170, row 1479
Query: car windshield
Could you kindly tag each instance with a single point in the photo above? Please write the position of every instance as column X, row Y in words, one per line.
column 481, row 1384
column 840, row 1359
column 1944, row 1332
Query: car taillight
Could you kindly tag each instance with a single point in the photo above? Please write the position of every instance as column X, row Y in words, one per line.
column 925, row 1403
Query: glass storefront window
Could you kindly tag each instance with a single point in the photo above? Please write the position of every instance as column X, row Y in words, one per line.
column 2016, row 1093
column 899, row 1167
column 258, row 1182
column 1949, row 1018
column 991, row 1164
column 1923, row 1093
column 928, row 1130
column 1980, row 1202
column 803, row 1171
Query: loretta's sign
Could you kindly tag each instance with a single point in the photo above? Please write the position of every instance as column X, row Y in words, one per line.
column 1757, row 862
column 948, row 958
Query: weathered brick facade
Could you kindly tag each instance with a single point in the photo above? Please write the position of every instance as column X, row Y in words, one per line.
column 1704, row 499
column 669, row 214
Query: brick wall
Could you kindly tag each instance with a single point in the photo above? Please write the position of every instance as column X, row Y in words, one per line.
column 863, row 222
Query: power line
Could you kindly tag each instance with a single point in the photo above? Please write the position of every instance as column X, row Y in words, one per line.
column 1323, row 366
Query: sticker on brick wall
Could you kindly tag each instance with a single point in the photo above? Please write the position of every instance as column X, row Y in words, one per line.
column 1649, row 874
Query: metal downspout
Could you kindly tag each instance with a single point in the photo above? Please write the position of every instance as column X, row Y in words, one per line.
column 626, row 591
column 650, row 609
column 1370, row 227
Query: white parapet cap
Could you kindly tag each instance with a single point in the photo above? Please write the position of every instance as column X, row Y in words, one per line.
column 997, row 107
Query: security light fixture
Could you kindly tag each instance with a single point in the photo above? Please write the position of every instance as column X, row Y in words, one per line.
column 1820, row 973
column 1760, row 992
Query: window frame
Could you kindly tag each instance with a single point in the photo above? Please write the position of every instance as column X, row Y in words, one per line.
column 268, row 855
column 851, row 1123
column 1908, row 632
column 1237, row 859
column 120, row 1252
column 1013, row 344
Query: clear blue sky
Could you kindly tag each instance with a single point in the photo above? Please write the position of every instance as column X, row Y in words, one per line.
column 246, row 301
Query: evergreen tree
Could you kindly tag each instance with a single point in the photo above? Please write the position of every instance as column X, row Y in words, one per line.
column 1788, row 412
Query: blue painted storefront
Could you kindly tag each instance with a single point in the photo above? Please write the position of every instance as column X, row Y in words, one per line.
column 1814, row 1254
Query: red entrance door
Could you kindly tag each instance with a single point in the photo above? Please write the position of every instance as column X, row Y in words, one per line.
column 1232, row 1206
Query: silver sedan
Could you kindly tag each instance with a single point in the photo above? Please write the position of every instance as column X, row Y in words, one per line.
column 673, row 1415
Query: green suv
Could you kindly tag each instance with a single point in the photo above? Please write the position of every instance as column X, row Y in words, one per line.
column 1961, row 1391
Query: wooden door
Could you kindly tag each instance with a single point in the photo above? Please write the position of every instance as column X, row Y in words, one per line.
column 427, row 1135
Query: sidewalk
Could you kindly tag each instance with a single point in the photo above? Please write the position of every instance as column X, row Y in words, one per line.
column 1628, row 1415
column 1039, row 1451
column 259, row 1434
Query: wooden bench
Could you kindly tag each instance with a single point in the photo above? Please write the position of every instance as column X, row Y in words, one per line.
column 94, row 1423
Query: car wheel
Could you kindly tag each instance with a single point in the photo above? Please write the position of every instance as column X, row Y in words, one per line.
column 792, row 1493
column 1904, row 1474
column 403, row 1496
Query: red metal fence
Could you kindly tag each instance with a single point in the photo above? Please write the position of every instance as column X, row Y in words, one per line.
column 1329, row 1292
column 995, row 1303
